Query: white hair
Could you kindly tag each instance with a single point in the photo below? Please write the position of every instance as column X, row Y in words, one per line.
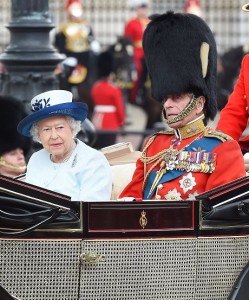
column 74, row 124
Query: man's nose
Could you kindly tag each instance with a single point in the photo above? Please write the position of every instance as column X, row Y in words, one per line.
column 168, row 102
column 20, row 155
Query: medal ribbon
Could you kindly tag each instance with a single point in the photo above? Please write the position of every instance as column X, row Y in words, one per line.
column 207, row 144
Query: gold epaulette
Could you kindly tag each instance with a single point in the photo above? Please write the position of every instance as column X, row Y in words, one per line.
column 164, row 132
column 154, row 135
column 209, row 132
column 167, row 132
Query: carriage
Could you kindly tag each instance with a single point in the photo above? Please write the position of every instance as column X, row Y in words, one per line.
column 52, row 248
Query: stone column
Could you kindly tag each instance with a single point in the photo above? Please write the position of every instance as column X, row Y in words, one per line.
column 30, row 58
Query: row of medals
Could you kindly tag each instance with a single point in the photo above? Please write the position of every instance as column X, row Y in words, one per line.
column 190, row 161
column 182, row 160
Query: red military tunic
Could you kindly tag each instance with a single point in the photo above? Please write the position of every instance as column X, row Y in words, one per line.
column 134, row 30
column 109, row 110
column 201, row 170
column 234, row 116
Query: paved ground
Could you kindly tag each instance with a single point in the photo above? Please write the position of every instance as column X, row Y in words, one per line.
column 136, row 120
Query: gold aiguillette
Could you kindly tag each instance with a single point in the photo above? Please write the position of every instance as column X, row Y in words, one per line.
column 159, row 175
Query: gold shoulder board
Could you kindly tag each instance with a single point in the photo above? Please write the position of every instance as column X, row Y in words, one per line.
column 167, row 132
column 154, row 135
column 209, row 132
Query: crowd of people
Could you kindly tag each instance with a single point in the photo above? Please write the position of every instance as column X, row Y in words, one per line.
column 179, row 55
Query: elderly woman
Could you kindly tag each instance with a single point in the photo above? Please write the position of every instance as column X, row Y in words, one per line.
column 65, row 164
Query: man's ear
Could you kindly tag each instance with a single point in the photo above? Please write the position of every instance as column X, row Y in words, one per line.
column 200, row 104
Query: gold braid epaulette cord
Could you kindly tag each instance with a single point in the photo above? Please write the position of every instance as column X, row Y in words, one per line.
column 157, row 158
column 185, row 112
column 169, row 155
column 209, row 132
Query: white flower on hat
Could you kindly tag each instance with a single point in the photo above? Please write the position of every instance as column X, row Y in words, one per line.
column 50, row 104
column 51, row 98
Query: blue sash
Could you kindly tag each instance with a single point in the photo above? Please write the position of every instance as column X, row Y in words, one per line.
column 207, row 144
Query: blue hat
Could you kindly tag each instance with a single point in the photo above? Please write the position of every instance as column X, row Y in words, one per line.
column 50, row 104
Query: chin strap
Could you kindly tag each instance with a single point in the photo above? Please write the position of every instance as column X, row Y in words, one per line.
column 11, row 166
column 184, row 113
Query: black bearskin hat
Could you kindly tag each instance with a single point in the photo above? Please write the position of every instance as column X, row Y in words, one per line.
column 181, row 56
column 105, row 64
column 11, row 113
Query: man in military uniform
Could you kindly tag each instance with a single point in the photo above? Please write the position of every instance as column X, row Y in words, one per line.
column 109, row 108
column 134, row 30
column 235, row 115
column 181, row 56
column 74, row 39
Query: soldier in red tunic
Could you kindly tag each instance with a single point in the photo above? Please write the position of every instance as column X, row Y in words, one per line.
column 134, row 30
column 234, row 116
column 109, row 109
column 191, row 158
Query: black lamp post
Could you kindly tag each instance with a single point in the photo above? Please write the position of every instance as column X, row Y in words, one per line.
column 30, row 58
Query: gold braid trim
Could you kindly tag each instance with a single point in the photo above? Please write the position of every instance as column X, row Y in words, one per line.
column 150, row 159
column 12, row 166
column 167, row 132
column 209, row 132
column 184, row 113
column 191, row 129
column 157, row 158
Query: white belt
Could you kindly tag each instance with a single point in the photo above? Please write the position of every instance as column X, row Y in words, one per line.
column 104, row 108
